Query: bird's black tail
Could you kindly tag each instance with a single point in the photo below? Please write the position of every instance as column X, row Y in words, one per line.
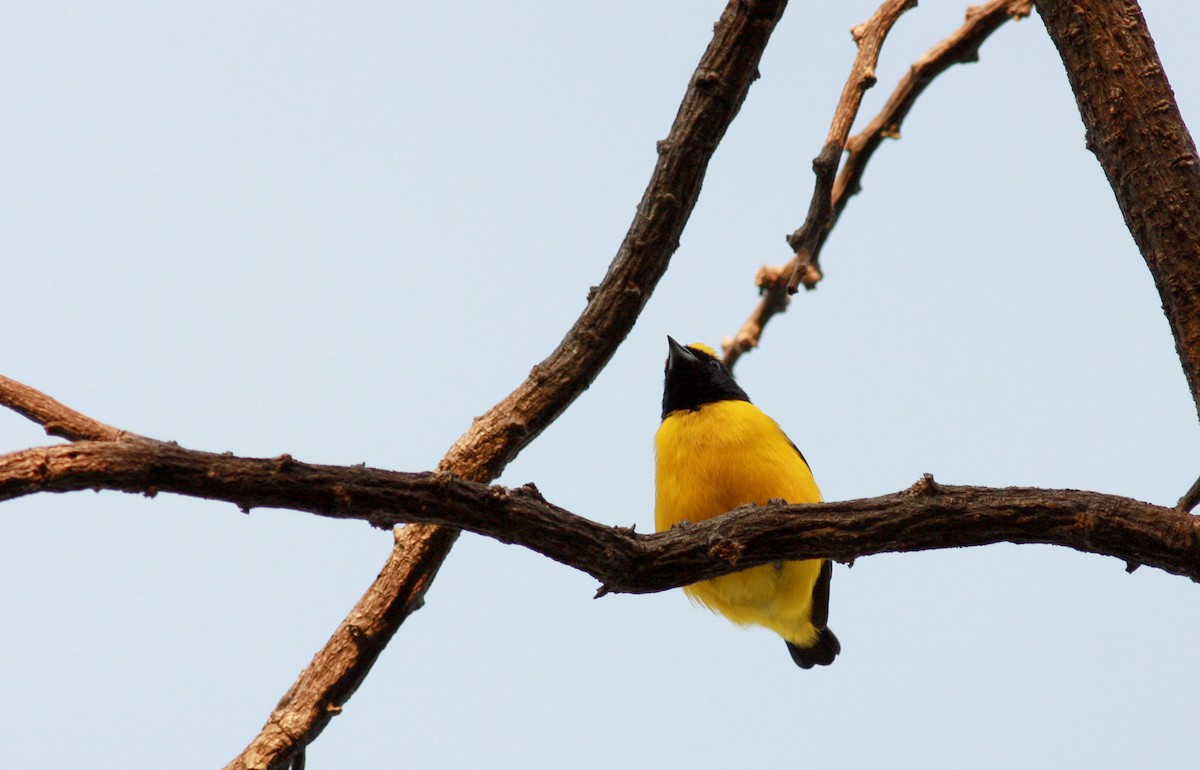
column 822, row 653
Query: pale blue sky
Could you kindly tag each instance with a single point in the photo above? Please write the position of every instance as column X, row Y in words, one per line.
column 279, row 227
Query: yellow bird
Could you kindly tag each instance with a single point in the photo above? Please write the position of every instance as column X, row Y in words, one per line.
column 716, row 451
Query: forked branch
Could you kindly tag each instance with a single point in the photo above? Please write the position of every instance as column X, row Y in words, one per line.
column 713, row 98
column 830, row 193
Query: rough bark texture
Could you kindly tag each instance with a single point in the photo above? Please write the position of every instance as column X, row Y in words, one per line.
column 960, row 47
column 926, row 516
column 714, row 96
column 56, row 418
column 869, row 37
column 1135, row 130
column 831, row 195
column 1137, row 133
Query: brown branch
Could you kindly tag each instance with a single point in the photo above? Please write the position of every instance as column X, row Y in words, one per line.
column 926, row 516
column 1135, row 129
column 1191, row 498
column 869, row 37
column 714, row 96
column 960, row 47
column 57, row 419
column 830, row 195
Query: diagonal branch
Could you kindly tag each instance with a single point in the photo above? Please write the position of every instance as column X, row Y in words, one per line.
column 57, row 419
column 1134, row 127
column 869, row 37
column 926, row 516
column 1191, row 498
column 714, row 96
column 831, row 195
column 960, row 47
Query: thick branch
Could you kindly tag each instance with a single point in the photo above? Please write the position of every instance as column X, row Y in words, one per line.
column 1134, row 127
column 830, row 195
column 714, row 96
column 926, row 516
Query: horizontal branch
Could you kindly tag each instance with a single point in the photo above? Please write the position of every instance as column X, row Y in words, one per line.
column 926, row 516
column 713, row 97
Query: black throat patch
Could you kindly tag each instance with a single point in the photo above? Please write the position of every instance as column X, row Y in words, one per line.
column 695, row 378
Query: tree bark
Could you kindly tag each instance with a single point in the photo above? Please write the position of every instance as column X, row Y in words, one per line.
column 713, row 98
column 927, row 516
column 1134, row 127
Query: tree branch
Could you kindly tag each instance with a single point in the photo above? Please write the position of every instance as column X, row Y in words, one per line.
column 926, row 516
column 56, row 418
column 1134, row 127
column 713, row 98
column 1191, row 498
column 869, row 37
column 831, row 195
column 960, row 47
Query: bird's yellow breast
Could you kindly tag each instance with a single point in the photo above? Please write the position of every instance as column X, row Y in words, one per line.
column 723, row 455
column 718, row 457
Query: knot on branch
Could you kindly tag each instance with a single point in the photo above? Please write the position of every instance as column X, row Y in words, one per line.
column 926, row 486
column 810, row 275
column 707, row 80
column 530, row 489
column 727, row 550
column 342, row 500
column 769, row 277
column 1019, row 9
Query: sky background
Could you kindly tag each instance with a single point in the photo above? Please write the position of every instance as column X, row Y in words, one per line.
column 342, row 232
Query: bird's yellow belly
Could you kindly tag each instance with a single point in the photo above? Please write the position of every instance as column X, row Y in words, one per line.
column 721, row 456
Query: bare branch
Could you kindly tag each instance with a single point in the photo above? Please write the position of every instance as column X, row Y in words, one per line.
column 960, row 47
column 1191, row 498
column 1136, row 131
column 713, row 98
column 926, row 516
column 869, row 36
column 57, row 419
column 831, row 195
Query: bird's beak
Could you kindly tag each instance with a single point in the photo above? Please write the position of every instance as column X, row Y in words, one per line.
column 678, row 354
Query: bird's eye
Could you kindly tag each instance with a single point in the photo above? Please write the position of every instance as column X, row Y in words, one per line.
column 714, row 363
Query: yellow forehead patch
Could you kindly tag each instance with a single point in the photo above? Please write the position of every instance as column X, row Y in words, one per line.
column 703, row 348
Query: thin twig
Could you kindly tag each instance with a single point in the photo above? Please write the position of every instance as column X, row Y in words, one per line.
column 831, row 195
column 57, row 419
column 961, row 47
column 1191, row 498
column 869, row 37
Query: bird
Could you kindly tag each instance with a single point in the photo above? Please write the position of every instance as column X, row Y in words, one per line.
column 715, row 451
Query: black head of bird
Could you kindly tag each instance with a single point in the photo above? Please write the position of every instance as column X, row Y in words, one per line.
column 695, row 377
